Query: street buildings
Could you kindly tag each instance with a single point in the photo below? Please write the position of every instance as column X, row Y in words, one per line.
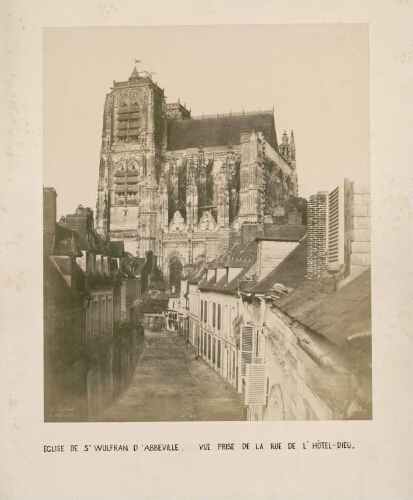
column 199, row 229
column 288, row 329
column 91, row 288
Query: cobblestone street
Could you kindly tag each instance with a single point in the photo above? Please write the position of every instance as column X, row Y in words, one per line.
column 169, row 384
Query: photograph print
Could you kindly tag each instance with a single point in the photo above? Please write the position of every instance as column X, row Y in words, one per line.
column 206, row 223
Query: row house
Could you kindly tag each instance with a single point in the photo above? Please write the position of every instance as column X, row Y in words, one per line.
column 88, row 289
column 315, row 340
column 285, row 315
column 171, row 314
column 215, row 308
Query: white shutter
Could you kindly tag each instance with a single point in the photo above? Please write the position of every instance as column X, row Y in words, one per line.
column 333, row 227
column 255, row 387
column 247, row 344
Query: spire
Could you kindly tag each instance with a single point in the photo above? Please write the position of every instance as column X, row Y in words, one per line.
column 134, row 74
column 285, row 138
column 292, row 148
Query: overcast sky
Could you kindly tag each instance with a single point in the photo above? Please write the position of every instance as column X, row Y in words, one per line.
column 315, row 77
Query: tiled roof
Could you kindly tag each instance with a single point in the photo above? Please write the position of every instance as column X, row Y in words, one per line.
column 219, row 131
column 197, row 277
column 290, row 273
column 158, row 285
column 284, row 232
column 59, row 268
column 339, row 316
column 223, row 285
column 293, row 271
column 236, row 256
column 63, row 263
column 132, row 266
column 100, row 280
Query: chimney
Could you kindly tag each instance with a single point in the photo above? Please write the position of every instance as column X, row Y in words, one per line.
column 49, row 209
column 81, row 222
column 49, row 218
column 316, row 234
column 360, row 258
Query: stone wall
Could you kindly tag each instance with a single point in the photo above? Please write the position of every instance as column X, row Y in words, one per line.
column 295, row 218
column 360, row 258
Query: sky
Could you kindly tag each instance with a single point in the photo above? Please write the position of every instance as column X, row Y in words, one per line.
column 316, row 77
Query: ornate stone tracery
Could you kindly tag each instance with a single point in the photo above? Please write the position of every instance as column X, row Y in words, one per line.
column 199, row 190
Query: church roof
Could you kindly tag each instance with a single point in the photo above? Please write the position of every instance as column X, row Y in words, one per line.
column 220, row 130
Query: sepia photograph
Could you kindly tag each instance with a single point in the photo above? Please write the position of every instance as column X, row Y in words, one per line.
column 205, row 213
column 206, row 223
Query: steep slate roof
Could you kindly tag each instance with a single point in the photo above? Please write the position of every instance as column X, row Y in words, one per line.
column 338, row 316
column 234, row 257
column 290, row 273
column 220, row 130
column 223, row 285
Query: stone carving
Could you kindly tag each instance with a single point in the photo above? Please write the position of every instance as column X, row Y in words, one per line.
column 207, row 222
column 181, row 236
column 177, row 223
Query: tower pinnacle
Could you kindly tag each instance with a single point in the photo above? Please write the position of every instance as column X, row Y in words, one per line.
column 135, row 73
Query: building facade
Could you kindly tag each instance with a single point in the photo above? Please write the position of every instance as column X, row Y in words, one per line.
column 315, row 340
column 284, row 316
column 91, row 294
column 176, row 184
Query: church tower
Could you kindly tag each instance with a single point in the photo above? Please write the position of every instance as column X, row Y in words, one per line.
column 131, row 157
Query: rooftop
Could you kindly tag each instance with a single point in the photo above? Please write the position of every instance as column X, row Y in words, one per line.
column 290, row 273
column 220, row 130
column 341, row 316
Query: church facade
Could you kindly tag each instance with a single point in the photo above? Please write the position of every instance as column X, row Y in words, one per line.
column 181, row 186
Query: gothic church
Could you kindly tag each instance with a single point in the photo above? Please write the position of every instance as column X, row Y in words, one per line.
column 180, row 185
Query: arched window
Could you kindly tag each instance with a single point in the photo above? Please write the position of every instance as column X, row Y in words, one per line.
column 129, row 122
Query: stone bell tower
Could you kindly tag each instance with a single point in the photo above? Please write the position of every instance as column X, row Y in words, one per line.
column 131, row 158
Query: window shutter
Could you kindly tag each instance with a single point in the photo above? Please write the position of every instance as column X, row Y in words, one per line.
column 255, row 388
column 333, row 227
column 247, row 343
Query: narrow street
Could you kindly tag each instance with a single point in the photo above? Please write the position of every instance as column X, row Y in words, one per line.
column 169, row 384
